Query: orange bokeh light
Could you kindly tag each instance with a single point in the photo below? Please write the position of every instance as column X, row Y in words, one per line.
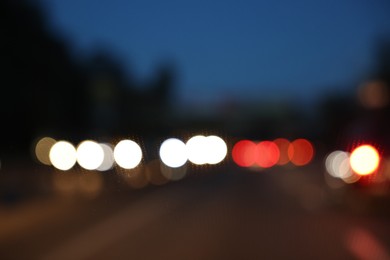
column 300, row 152
column 283, row 145
column 244, row 153
column 364, row 160
column 267, row 154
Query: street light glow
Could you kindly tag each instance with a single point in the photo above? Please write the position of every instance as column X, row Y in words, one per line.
column 364, row 160
column 90, row 155
column 173, row 153
column 63, row 155
column 127, row 154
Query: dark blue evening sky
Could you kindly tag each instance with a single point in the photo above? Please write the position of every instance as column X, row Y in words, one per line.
column 233, row 48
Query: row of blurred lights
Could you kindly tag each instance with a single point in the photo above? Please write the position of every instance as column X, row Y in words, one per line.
column 173, row 152
column 266, row 154
column 127, row 154
column 350, row 167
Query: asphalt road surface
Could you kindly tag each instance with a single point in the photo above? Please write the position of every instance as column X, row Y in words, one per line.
column 213, row 213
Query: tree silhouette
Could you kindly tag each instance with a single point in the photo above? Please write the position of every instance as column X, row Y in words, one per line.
column 45, row 91
column 42, row 88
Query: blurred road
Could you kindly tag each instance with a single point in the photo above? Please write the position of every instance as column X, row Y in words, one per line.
column 224, row 213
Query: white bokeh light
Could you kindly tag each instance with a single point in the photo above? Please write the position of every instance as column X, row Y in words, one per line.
column 127, row 154
column 173, row 153
column 63, row 155
column 196, row 149
column 216, row 149
column 206, row 150
column 90, row 155
column 337, row 164
column 108, row 161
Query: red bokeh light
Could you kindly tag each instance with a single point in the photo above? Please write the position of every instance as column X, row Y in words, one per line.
column 267, row 154
column 283, row 145
column 244, row 153
column 300, row 152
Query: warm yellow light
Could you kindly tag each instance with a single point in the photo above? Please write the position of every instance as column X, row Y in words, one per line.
column 42, row 149
column 364, row 160
column 62, row 155
column 90, row 155
column 173, row 153
column 127, row 154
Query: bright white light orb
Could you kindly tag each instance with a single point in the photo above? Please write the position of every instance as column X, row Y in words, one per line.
column 63, row 155
column 364, row 160
column 216, row 149
column 329, row 163
column 173, row 153
column 127, row 154
column 196, row 149
column 90, row 155
column 108, row 161
column 337, row 164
